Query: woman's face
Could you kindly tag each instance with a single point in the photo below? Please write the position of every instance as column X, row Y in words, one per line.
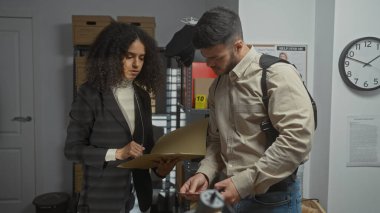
column 134, row 60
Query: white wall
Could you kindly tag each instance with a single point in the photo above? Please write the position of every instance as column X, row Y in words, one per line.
column 280, row 22
column 351, row 189
column 53, row 65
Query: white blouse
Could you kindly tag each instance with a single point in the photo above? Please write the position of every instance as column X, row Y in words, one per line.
column 124, row 96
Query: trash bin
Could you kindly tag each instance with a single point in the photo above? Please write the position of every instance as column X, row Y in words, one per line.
column 55, row 202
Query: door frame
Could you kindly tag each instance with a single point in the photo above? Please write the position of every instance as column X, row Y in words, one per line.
column 29, row 13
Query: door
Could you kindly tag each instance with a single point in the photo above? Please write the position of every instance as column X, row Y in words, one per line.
column 17, row 149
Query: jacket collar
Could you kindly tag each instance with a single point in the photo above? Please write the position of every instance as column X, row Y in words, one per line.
column 140, row 129
column 111, row 105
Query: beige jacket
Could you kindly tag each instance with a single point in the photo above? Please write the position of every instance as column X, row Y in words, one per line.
column 235, row 143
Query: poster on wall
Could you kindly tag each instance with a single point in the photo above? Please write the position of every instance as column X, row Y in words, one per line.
column 363, row 141
column 295, row 54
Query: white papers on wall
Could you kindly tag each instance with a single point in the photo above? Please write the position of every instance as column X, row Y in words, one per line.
column 363, row 141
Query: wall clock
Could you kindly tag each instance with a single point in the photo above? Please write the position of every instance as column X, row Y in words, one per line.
column 359, row 63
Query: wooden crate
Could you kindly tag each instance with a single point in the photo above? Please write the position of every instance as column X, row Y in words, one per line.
column 146, row 23
column 86, row 28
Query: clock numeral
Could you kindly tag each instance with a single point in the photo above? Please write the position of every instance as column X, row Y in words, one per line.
column 365, row 84
column 351, row 54
column 378, row 46
column 375, row 81
column 346, row 63
column 368, row 43
column 356, row 80
column 349, row 74
column 357, row 46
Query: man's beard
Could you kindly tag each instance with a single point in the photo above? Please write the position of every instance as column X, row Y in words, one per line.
column 232, row 63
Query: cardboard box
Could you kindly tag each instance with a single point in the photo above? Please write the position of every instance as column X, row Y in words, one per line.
column 146, row 23
column 201, row 88
column 197, row 70
column 202, row 76
column 86, row 28
column 80, row 71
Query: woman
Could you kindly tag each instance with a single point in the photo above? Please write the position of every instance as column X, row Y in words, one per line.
column 111, row 120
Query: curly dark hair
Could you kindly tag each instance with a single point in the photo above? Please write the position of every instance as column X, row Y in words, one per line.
column 217, row 26
column 105, row 59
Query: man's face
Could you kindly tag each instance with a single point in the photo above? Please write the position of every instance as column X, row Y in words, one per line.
column 220, row 58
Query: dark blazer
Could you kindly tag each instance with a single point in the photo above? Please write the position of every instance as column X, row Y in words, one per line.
column 96, row 125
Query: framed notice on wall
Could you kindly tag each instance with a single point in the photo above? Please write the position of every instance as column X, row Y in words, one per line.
column 295, row 54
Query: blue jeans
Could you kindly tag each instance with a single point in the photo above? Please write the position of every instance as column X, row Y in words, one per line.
column 286, row 201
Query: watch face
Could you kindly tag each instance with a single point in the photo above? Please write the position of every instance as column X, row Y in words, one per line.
column 359, row 64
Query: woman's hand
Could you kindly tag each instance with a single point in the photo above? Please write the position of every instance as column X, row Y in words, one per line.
column 132, row 149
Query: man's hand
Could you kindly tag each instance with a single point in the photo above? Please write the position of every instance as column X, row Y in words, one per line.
column 132, row 149
column 164, row 166
column 194, row 185
column 228, row 190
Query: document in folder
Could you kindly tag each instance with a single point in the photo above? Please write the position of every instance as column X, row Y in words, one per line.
column 185, row 143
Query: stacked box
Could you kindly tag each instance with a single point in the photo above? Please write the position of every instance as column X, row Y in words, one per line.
column 201, row 87
column 198, row 70
column 86, row 28
column 146, row 23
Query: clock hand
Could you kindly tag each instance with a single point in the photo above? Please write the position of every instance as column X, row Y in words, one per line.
column 365, row 64
column 357, row 60
column 369, row 63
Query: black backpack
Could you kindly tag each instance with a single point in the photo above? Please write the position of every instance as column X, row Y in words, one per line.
column 266, row 126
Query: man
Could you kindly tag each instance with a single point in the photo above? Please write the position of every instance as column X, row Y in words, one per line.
column 255, row 178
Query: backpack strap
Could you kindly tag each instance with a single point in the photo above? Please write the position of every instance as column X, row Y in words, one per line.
column 266, row 126
column 314, row 105
column 265, row 62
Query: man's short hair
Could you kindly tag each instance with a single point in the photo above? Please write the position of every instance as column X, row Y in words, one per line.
column 217, row 26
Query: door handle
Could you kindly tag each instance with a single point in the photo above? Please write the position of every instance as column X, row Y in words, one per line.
column 22, row 119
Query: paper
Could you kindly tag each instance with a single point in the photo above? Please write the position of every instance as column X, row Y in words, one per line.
column 147, row 161
column 185, row 143
column 364, row 142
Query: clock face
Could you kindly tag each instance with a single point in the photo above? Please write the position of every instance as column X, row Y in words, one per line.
column 359, row 64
